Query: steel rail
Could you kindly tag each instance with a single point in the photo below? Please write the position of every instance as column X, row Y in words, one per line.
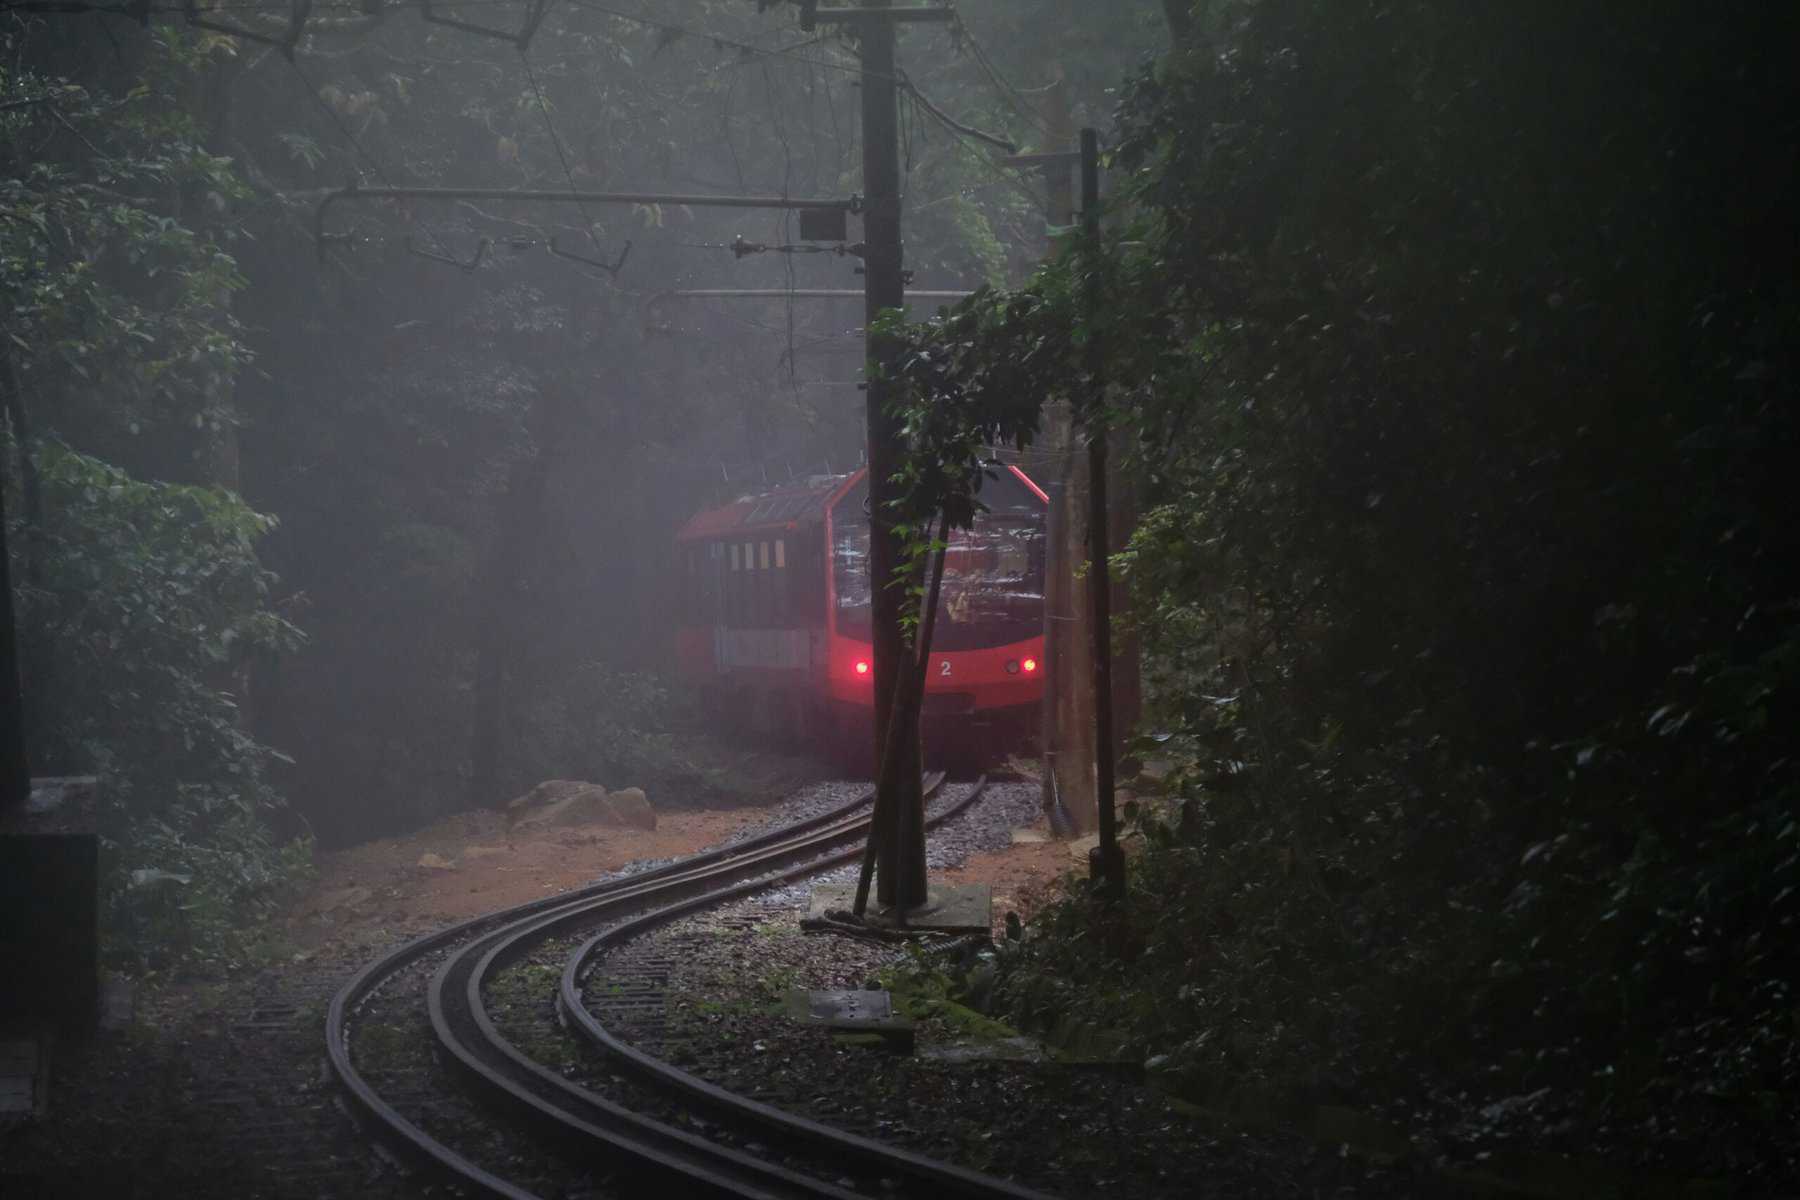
column 455, row 997
column 409, row 1137
column 888, row 1158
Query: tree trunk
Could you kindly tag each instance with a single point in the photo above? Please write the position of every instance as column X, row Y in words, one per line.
column 1180, row 16
column 902, row 730
column 1068, row 653
column 15, row 769
column 520, row 515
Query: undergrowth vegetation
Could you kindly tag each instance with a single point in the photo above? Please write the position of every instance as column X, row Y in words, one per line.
column 1461, row 375
column 141, row 601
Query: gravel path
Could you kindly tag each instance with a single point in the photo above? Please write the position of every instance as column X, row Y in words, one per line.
column 1065, row 1129
column 218, row 1090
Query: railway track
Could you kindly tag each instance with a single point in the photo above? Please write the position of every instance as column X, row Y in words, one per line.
column 501, row 1000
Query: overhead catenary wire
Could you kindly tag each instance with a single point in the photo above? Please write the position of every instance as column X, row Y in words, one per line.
column 355, row 143
column 1013, row 95
column 562, row 157
column 141, row 10
column 951, row 123
column 717, row 40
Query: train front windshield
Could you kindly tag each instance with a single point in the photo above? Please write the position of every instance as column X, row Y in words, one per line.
column 993, row 589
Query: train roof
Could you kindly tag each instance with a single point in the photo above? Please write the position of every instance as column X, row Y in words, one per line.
column 786, row 506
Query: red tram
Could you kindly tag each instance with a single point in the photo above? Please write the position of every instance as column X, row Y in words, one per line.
column 774, row 620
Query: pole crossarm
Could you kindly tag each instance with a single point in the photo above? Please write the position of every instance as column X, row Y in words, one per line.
column 354, row 191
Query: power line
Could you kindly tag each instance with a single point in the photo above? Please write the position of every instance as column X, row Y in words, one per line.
column 569, row 175
column 951, row 123
column 723, row 43
column 1011, row 93
column 342, row 128
column 139, row 10
column 355, row 144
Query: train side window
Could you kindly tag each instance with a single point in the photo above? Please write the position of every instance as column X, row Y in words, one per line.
column 747, row 614
column 764, row 608
column 709, row 585
column 778, row 585
column 810, row 579
column 734, row 588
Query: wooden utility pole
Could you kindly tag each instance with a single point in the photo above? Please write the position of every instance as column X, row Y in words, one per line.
column 1071, row 718
column 1067, row 706
column 901, row 845
column 1112, row 859
column 902, row 865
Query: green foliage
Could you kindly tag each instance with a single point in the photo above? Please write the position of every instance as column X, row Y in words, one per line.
column 140, row 604
column 148, row 595
column 975, row 378
column 1459, row 373
column 594, row 722
column 116, row 308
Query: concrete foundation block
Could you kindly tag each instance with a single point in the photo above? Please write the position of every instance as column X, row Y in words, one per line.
column 50, row 907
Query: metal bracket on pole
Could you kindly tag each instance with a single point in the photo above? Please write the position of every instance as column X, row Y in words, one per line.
column 297, row 15
column 611, row 268
column 355, row 191
column 468, row 268
column 533, row 18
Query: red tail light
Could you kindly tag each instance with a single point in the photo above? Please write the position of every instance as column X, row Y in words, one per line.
column 862, row 668
column 1030, row 665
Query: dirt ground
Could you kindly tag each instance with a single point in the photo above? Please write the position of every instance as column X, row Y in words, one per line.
column 1020, row 875
column 471, row 863
column 214, row 1088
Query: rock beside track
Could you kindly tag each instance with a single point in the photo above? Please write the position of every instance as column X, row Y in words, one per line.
column 631, row 807
column 562, row 803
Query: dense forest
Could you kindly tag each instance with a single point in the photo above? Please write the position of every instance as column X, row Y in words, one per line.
column 1454, row 347
column 1459, row 351
column 284, row 516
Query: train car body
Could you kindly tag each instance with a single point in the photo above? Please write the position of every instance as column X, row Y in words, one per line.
column 774, row 621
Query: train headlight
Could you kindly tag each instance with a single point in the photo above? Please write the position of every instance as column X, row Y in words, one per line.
column 862, row 667
column 1030, row 665
column 1012, row 666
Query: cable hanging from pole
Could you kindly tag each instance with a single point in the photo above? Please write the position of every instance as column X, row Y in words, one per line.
column 945, row 119
column 356, row 145
column 569, row 175
column 960, row 31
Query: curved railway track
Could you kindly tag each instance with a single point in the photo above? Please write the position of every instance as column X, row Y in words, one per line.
column 632, row 1127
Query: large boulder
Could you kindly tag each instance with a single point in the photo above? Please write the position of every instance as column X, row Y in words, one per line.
column 562, row 803
column 545, row 794
column 565, row 805
column 631, row 807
